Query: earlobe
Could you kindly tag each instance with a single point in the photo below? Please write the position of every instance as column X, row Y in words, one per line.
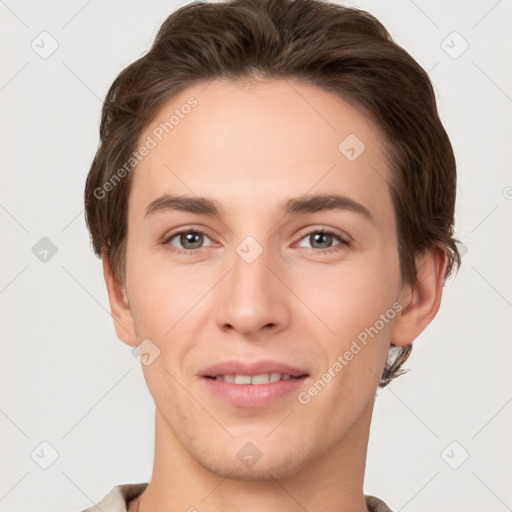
column 119, row 305
column 420, row 302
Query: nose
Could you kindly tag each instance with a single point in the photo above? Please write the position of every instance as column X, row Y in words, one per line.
column 253, row 298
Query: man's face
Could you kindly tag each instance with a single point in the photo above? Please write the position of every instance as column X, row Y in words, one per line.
column 257, row 284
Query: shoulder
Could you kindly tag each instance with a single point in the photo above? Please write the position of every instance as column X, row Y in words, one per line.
column 117, row 499
column 375, row 504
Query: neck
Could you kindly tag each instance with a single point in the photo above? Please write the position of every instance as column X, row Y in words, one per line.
column 329, row 481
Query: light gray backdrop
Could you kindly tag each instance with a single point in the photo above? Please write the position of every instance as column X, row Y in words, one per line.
column 75, row 415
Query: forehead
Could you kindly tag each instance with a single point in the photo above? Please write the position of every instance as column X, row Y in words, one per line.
column 244, row 142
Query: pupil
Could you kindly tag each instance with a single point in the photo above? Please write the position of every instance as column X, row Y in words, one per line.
column 189, row 238
column 318, row 238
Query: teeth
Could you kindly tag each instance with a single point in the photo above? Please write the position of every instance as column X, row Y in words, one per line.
column 264, row 378
column 242, row 379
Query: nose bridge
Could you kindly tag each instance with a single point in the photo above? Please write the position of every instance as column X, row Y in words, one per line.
column 252, row 297
column 250, row 266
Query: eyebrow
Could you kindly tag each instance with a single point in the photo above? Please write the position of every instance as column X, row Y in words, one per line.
column 298, row 205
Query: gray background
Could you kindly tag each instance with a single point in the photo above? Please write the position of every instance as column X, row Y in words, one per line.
column 68, row 382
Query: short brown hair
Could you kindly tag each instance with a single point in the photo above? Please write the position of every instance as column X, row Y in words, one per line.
column 342, row 50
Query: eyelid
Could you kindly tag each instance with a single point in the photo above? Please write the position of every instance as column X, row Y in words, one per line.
column 344, row 239
column 186, row 229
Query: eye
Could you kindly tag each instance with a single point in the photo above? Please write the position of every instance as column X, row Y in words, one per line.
column 190, row 240
column 324, row 238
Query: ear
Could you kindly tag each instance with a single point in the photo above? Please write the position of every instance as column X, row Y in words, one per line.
column 119, row 305
column 420, row 302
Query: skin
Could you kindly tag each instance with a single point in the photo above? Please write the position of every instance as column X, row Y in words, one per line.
column 251, row 146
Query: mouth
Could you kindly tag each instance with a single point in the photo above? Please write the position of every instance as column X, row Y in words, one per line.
column 243, row 372
column 252, row 384
column 263, row 378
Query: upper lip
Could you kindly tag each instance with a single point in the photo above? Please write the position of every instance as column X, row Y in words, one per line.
column 238, row 367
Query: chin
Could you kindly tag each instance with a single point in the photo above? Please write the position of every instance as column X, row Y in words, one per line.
column 269, row 467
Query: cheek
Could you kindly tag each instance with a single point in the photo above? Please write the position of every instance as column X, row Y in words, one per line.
column 354, row 313
column 349, row 296
column 158, row 307
column 163, row 300
column 150, row 296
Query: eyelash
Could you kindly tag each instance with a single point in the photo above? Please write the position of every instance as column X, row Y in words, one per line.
column 342, row 241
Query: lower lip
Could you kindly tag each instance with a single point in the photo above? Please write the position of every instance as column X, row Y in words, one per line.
column 253, row 395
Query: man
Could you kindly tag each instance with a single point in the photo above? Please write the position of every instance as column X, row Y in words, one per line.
column 273, row 201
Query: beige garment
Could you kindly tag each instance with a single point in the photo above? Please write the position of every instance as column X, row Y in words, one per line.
column 117, row 500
